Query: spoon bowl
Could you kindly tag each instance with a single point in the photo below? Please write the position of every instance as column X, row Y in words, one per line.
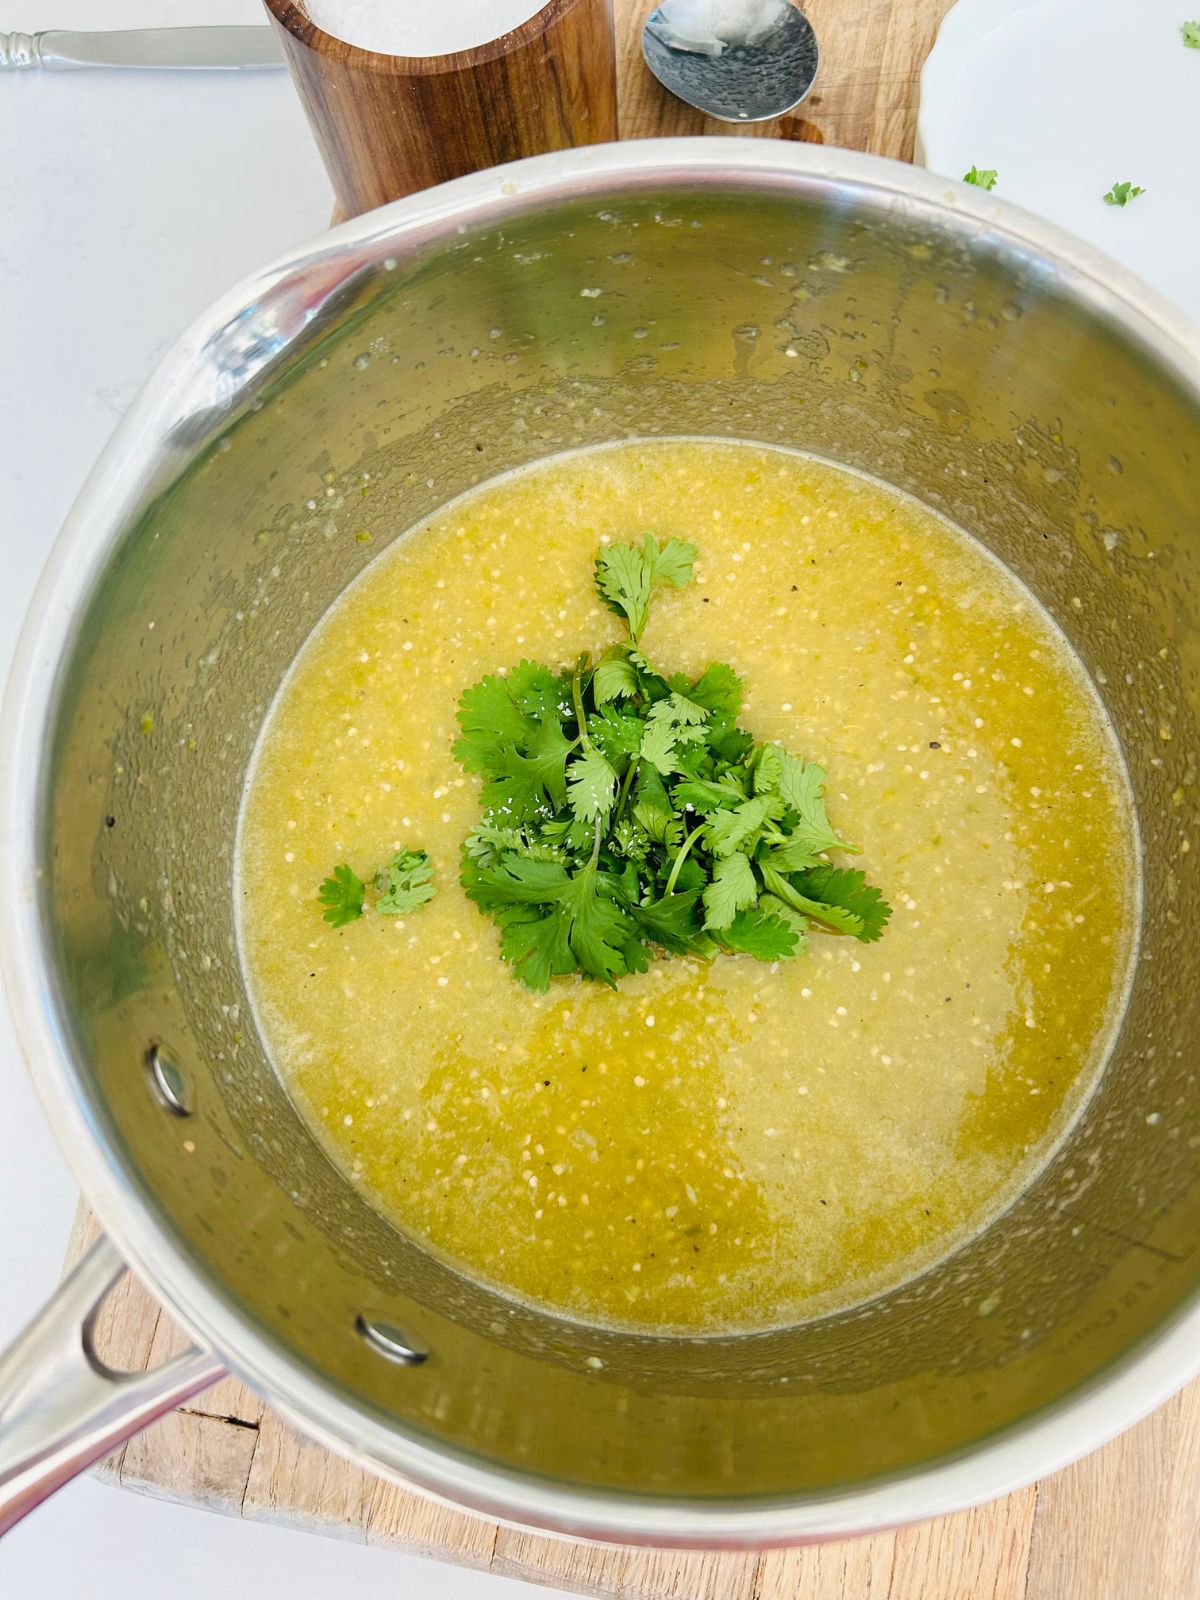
column 735, row 60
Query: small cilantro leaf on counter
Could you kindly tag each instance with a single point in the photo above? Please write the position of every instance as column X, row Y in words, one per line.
column 1122, row 193
column 981, row 177
column 1190, row 32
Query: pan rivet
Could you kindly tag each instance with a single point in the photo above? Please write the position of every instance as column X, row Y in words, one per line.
column 169, row 1081
column 388, row 1341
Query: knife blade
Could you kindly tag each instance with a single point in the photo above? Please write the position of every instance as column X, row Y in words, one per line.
column 192, row 49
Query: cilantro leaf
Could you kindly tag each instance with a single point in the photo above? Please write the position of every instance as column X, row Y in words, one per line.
column 981, row 177
column 684, row 712
column 659, row 745
column 768, row 769
column 719, row 691
column 515, row 881
column 623, row 579
column 524, row 782
column 625, row 885
column 802, row 785
column 342, row 896
column 846, row 888
column 652, row 685
column 617, row 733
column 772, row 906
column 578, row 915
column 490, row 720
column 629, row 839
column 626, row 574
column 537, row 691
column 692, row 875
column 672, row 563
column 704, row 796
column 1122, row 193
column 1191, row 35
column 733, row 888
column 592, row 786
column 405, row 884
column 672, row 921
column 793, row 855
column 616, row 678
column 663, row 827
column 598, row 928
column 728, row 831
column 636, row 957
column 838, row 897
column 486, row 844
column 767, row 938
column 512, row 735
column 672, row 721
column 651, row 792
column 536, row 943
column 732, row 746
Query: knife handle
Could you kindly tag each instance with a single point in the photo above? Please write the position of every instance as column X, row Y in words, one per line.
column 192, row 48
column 21, row 50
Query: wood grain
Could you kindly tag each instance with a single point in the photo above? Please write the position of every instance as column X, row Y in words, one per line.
column 1122, row 1525
column 388, row 125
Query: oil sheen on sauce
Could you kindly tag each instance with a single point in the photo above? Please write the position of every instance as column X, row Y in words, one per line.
column 724, row 1146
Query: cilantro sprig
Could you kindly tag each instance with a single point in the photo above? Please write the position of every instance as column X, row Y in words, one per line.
column 627, row 817
column 403, row 885
column 981, row 177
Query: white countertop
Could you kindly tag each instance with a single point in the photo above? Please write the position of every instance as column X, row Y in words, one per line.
column 129, row 201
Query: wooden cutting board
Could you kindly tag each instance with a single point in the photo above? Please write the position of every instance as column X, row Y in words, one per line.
column 1122, row 1525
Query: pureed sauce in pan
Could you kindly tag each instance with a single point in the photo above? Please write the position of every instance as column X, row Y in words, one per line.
column 712, row 1145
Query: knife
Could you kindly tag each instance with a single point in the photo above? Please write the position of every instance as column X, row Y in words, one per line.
column 194, row 48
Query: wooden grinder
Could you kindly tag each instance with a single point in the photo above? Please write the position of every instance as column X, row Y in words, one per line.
column 389, row 125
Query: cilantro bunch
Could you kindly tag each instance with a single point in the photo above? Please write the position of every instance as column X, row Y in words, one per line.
column 626, row 815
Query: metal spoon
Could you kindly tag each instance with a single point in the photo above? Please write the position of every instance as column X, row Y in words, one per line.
column 737, row 60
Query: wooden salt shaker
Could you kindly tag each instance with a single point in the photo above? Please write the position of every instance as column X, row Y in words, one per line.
column 389, row 125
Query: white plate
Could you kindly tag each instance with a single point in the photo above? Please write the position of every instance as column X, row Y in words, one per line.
column 1065, row 97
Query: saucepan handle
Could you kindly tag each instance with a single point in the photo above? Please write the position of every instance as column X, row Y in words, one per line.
column 60, row 1407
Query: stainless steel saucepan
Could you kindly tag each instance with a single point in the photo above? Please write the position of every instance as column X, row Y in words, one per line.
column 874, row 314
